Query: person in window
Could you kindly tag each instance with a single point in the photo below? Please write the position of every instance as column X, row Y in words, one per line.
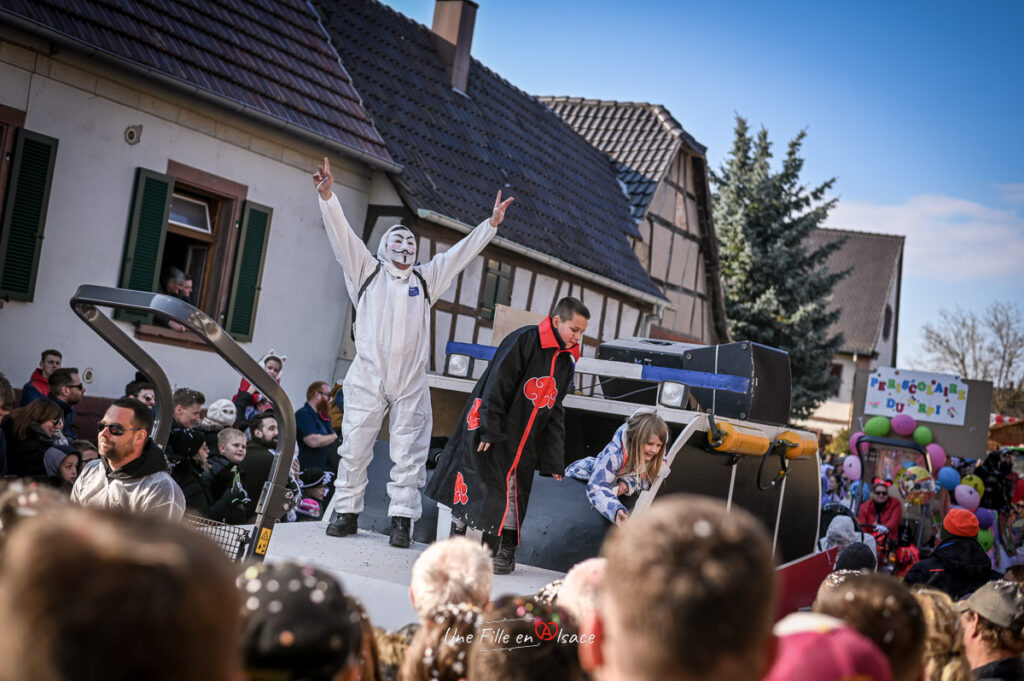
column 392, row 297
column 171, row 284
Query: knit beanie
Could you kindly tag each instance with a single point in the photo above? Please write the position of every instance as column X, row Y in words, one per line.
column 960, row 522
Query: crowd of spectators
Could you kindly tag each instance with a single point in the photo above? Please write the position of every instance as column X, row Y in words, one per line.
column 685, row 590
column 217, row 458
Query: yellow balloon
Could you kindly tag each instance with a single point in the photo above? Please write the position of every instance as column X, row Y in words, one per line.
column 975, row 482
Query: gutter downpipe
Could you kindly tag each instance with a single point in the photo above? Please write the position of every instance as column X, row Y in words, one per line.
column 660, row 304
column 184, row 88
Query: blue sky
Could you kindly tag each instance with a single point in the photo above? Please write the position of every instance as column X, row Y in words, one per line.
column 915, row 107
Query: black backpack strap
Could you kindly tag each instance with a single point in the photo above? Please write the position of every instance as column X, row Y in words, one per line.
column 362, row 289
column 423, row 282
column 359, row 295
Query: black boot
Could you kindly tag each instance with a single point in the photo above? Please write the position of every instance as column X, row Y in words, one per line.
column 505, row 558
column 491, row 541
column 343, row 524
column 400, row 532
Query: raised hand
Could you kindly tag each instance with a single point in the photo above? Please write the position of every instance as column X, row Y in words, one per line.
column 499, row 209
column 323, row 179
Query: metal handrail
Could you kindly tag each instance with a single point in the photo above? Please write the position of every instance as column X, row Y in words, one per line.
column 275, row 498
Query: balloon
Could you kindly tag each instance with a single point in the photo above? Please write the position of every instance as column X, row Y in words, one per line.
column 937, row 455
column 986, row 517
column 986, row 540
column 975, row 482
column 903, row 424
column 852, row 467
column 923, row 435
column 967, row 496
column 906, row 464
column 948, row 478
column 860, row 489
column 854, row 441
column 917, row 485
column 878, row 426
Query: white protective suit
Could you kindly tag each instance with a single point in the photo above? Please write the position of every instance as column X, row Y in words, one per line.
column 389, row 373
column 154, row 491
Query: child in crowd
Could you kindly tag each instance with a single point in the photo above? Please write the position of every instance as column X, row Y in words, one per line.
column 87, row 450
column 62, row 465
column 247, row 401
column 512, row 425
column 314, row 482
column 630, row 463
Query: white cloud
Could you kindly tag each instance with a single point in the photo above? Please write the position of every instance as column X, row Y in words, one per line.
column 1012, row 193
column 948, row 239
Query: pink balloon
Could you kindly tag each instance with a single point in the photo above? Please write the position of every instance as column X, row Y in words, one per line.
column 937, row 455
column 967, row 497
column 852, row 467
column 986, row 517
column 855, row 440
column 903, row 424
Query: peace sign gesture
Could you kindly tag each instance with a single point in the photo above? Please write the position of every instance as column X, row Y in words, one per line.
column 323, row 179
column 499, row 209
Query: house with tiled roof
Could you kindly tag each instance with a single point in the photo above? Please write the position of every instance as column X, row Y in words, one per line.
column 868, row 299
column 664, row 171
column 461, row 132
column 138, row 136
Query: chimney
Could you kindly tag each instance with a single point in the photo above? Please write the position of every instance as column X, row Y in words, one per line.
column 453, row 32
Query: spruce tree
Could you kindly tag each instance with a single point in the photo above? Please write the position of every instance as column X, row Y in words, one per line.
column 776, row 288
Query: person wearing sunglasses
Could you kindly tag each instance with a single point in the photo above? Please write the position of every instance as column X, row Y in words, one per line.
column 67, row 390
column 883, row 510
column 131, row 472
column 29, row 432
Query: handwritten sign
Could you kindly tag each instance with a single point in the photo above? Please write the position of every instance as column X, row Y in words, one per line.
column 936, row 398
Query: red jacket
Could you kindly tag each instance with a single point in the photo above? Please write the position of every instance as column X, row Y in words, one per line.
column 891, row 514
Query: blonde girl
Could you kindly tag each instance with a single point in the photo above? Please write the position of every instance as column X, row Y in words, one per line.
column 944, row 657
column 631, row 462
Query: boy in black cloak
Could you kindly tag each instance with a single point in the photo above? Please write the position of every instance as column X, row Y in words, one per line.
column 513, row 424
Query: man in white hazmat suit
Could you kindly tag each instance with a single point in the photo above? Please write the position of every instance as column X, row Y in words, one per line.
column 392, row 298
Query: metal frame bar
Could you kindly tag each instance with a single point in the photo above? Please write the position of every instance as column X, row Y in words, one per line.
column 275, row 498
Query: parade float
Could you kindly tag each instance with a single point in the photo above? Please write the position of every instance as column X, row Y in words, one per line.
column 925, row 434
column 727, row 407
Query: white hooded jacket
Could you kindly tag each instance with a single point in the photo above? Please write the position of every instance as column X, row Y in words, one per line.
column 143, row 485
column 392, row 327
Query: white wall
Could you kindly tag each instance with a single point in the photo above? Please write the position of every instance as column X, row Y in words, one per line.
column 302, row 302
column 884, row 346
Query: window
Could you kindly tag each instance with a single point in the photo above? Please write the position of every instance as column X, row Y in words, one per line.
column 887, row 324
column 203, row 225
column 496, row 285
column 188, row 212
column 26, row 170
column 837, row 372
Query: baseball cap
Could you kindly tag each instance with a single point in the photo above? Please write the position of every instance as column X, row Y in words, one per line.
column 1000, row 602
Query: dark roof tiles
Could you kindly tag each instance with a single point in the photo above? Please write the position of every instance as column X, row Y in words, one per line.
column 271, row 57
column 642, row 138
column 458, row 150
column 874, row 263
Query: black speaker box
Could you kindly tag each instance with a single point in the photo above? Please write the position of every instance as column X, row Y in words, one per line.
column 768, row 395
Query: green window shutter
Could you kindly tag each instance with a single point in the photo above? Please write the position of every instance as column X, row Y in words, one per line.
column 24, row 217
column 249, row 258
column 144, row 243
